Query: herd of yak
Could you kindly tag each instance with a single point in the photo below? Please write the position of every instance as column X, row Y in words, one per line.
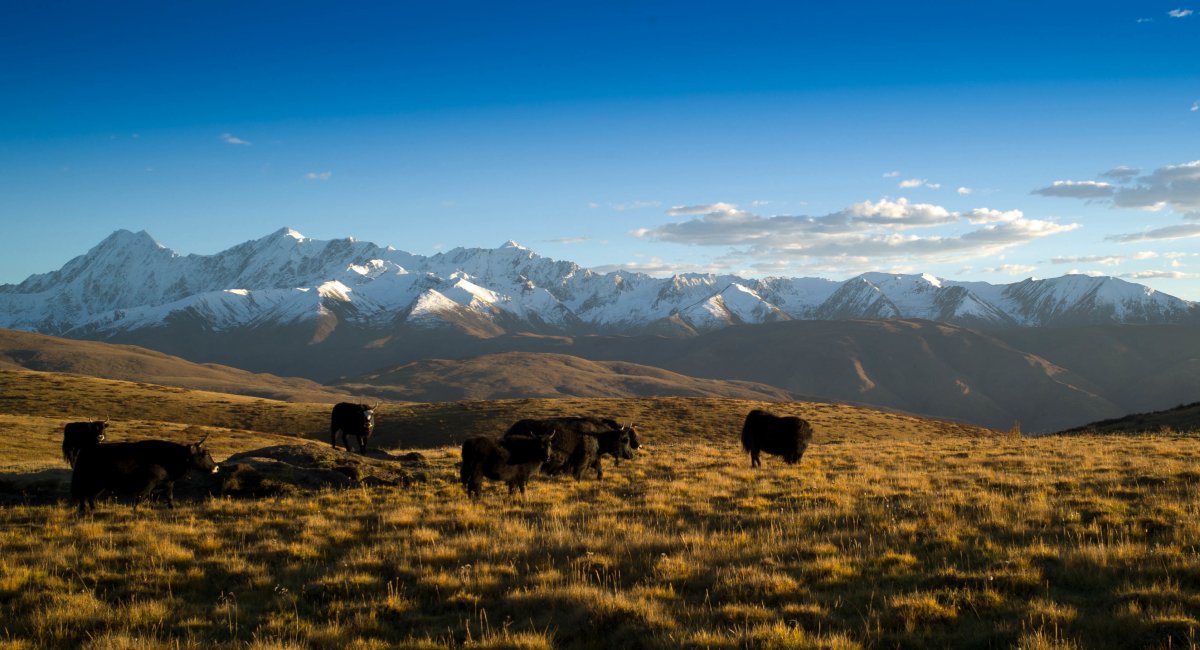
column 560, row 445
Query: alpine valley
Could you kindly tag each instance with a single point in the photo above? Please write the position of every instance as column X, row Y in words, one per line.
column 1042, row 352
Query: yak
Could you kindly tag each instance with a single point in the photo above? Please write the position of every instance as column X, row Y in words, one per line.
column 351, row 419
column 79, row 435
column 580, row 443
column 512, row 460
column 783, row 436
column 140, row 469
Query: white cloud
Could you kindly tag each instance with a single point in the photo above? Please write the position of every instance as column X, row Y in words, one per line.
column 1105, row 260
column 988, row 215
column 1175, row 186
column 654, row 267
column 569, row 240
column 1180, row 13
column 1160, row 275
column 918, row 182
column 867, row 230
column 1077, row 189
column 230, row 138
column 1012, row 269
column 1121, row 173
column 683, row 210
column 318, row 176
column 964, row 190
column 593, row 205
column 1181, row 231
column 1196, row 106
column 891, row 174
column 1144, row 20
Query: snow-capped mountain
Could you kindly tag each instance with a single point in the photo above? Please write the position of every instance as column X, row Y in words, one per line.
column 129, row 282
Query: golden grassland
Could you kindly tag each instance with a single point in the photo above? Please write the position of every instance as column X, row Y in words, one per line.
column 892, row 532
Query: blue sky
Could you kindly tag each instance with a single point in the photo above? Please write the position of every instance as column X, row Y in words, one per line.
column 750, row 137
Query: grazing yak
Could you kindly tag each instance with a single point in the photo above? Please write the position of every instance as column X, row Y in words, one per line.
column 138, row 468
column 79, row 435
column 782, row 436
column 580, row 443
column 350, row 419
column 511, row 460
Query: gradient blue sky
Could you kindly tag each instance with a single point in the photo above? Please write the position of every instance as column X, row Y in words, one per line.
column 654, row 136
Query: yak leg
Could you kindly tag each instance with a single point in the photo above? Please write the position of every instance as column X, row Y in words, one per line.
column 754, row 459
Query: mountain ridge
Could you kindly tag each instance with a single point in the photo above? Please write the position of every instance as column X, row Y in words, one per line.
column 130, row 282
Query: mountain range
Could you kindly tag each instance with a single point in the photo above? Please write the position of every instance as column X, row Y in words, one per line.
column 129, row 282
column 506, row 322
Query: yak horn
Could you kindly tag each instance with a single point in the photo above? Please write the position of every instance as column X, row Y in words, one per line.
column 203, row 439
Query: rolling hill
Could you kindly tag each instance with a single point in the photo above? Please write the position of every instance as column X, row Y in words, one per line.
column 29, row 351
column 531, row 374
column 1183, row 418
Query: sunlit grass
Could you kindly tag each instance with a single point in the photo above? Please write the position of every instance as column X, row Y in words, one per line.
column 912, row 541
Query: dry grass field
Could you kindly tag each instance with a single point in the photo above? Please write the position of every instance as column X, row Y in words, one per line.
column 894, row 531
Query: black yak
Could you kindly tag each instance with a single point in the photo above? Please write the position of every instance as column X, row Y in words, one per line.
column 580, row 443
column 138, row 468
column 782, row 436
column 512, row 460
column 350, row 419
column 78, row 435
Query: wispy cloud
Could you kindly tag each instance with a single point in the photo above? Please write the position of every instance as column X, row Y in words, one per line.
column 1077, row 189
column 569, row 240
column 1103, row 260
column 1121, row 173
column 1160, row 275
column 1011, row 269
column 892, row 174
column 868, row 231
column 1180, row 13
column 1176, row 187
column 704, row 208
column 230, row 138
column 918, row 182
column 1111, row 260
column 964, row 190
column 656, row 267
column 1144, row 20
column 318, row 176
column 1196, row 106
column 1181, row 231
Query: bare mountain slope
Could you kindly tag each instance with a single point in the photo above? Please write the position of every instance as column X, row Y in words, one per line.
column 24, row 350
column 1184, row 419
column 529, row 374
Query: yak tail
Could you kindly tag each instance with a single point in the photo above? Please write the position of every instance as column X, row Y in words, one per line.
column 745, row 438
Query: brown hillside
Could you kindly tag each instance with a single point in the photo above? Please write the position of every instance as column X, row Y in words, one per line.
column 530, row 374
column 1184, row 418
column 28, row 351
column 72, row 397
column 922, row 367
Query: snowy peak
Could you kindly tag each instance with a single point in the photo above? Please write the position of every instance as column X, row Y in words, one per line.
column 129, row 281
